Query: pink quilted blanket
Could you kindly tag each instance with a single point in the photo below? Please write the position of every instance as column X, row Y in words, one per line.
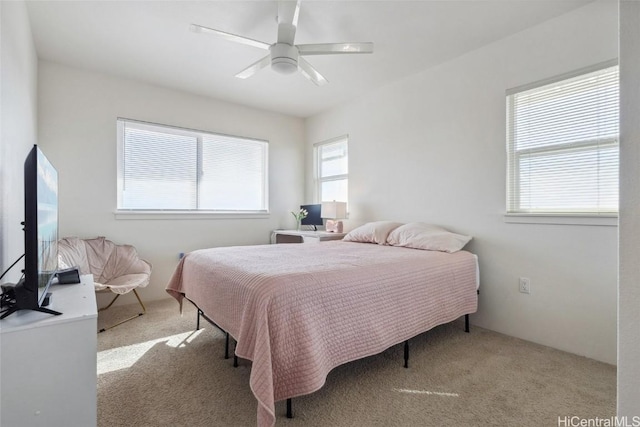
column 298, row 311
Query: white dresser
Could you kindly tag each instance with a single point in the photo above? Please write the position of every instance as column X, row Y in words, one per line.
column 48, row 363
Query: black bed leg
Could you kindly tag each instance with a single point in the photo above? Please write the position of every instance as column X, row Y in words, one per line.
column 289, row 410
column 235, row 358
column 406, row 354
column 226, row 345
column 198, row 320
column 466, row 323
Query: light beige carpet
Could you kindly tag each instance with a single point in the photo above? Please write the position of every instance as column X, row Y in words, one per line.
column 157, row 370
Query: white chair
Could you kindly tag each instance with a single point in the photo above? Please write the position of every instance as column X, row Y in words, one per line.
column 115, row 268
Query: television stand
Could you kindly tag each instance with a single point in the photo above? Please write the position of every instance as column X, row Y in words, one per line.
column 14, row 297
column 15, row 308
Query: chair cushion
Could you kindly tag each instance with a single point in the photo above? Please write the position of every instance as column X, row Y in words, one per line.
column 125, row 283
column 72, row 253
column 99, row 251
column 122, row 260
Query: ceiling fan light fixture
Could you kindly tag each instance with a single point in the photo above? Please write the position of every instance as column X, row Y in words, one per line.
column 284, row 58
column 284, row 65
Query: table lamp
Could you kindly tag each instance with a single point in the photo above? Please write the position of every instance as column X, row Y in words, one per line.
column 333, row 212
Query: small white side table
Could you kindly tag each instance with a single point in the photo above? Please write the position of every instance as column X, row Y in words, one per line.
column 302, row 236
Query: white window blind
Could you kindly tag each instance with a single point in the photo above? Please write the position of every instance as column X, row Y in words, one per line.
column 562, row 146
column 168, row 168
column 333, row 170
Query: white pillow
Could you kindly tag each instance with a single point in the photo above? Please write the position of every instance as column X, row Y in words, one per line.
column 419, row 235
column 372, row 232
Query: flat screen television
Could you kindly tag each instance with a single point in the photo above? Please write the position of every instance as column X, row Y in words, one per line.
column 40, row 233
column 313, row 216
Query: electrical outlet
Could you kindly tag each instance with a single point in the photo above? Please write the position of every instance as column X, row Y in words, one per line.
column 525, row 285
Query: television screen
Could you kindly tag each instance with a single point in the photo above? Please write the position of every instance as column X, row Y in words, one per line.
column 47, row 221
column 313, row 216
column 41, row 223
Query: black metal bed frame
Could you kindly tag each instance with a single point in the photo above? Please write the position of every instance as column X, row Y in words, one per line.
column 289, row 402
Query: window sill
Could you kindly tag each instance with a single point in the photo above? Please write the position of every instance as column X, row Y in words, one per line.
column 558, row 219
column 182, row 215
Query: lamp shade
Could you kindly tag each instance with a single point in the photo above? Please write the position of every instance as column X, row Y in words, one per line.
column 333, row 210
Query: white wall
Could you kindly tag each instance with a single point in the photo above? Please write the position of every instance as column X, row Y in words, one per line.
column 431, row 148
column 18, row 127
column 629, row 291
column 77, row 131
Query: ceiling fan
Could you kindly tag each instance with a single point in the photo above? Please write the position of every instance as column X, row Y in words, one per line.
column 284, row 56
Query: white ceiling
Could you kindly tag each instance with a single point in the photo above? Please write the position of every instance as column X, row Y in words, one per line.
column 150, row 41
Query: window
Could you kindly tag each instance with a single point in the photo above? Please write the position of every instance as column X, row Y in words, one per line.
column 333, row 170
column 175, row 169
column 562, row 145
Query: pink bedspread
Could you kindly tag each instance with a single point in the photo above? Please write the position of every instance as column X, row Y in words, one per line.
column 298, row 311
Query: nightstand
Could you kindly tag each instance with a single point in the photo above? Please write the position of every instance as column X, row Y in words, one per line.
column 302, row 236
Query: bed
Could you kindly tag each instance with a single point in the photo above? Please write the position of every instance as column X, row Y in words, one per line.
column 297, row 311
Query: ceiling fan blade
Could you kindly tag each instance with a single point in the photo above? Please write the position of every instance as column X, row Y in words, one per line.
column 310, row 73
column 229, row 37
column 334, row 48
column 254, row 68
column 288, row 12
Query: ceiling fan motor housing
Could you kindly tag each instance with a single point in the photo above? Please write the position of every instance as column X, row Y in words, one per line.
column 284, row 58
